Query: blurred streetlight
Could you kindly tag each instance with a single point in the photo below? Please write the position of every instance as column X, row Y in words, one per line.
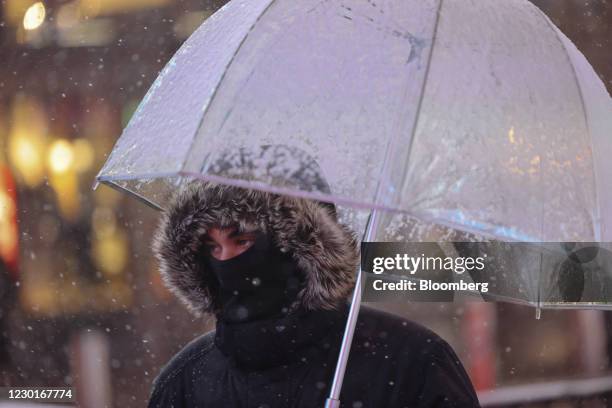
column 61, row 156
column 63, row 177
column 27, row 140
column 34, row 16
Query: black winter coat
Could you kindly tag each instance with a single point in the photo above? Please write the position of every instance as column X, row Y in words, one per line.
column 393, row 363
column 290, row 361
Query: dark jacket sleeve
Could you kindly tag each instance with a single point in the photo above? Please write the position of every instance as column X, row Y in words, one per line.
column 445, row 382
column 169, row 388
column 167, row 392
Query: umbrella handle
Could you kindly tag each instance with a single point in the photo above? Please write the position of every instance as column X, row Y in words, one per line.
column 333, row 401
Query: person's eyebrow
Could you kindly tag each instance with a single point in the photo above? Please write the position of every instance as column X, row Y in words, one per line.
column 237, row 232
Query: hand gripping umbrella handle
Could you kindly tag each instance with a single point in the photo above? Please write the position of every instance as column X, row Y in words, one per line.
column 333, row 401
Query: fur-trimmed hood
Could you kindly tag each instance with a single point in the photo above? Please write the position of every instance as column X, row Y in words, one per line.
column 325, row 250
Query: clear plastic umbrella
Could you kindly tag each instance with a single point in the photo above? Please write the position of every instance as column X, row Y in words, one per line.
column 476, row 116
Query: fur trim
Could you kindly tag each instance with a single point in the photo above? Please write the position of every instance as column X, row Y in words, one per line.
column 325, row 250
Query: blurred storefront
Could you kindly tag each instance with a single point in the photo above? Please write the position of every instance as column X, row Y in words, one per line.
column 81, row 282
column 72, row 73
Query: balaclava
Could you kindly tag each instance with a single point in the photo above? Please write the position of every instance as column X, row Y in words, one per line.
column 259, row 283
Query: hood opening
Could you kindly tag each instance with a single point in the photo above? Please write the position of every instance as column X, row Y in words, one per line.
column 325, row 250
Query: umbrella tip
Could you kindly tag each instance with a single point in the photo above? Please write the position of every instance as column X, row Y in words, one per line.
column 95, row 185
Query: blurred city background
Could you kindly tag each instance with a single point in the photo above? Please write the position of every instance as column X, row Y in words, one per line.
column 81, row 302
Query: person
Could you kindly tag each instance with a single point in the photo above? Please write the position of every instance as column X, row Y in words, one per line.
column 276, row 271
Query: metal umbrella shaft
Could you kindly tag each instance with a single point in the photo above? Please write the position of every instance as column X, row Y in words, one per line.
column 333, row 401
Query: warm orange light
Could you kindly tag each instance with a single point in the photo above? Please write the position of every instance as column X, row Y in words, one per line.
column 9, row 235
column 66, row 189
column 34, row 16
column 27, row 140
column 26, row 153
column 63, row 177
column 61, row 156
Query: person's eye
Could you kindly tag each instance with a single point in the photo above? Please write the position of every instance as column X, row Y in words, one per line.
column 244, row 242
column 212, row 248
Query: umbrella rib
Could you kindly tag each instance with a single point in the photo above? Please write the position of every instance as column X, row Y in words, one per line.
column 424, row 86
column 384, row 174
column 136, row 176
column 333, row 400
column 596, row 224
column 229, row 64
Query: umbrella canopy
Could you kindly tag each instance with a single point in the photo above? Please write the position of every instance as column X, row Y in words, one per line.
column 472, row 116
column 478, row 115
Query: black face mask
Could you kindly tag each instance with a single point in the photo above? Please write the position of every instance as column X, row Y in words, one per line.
column 260, row 283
